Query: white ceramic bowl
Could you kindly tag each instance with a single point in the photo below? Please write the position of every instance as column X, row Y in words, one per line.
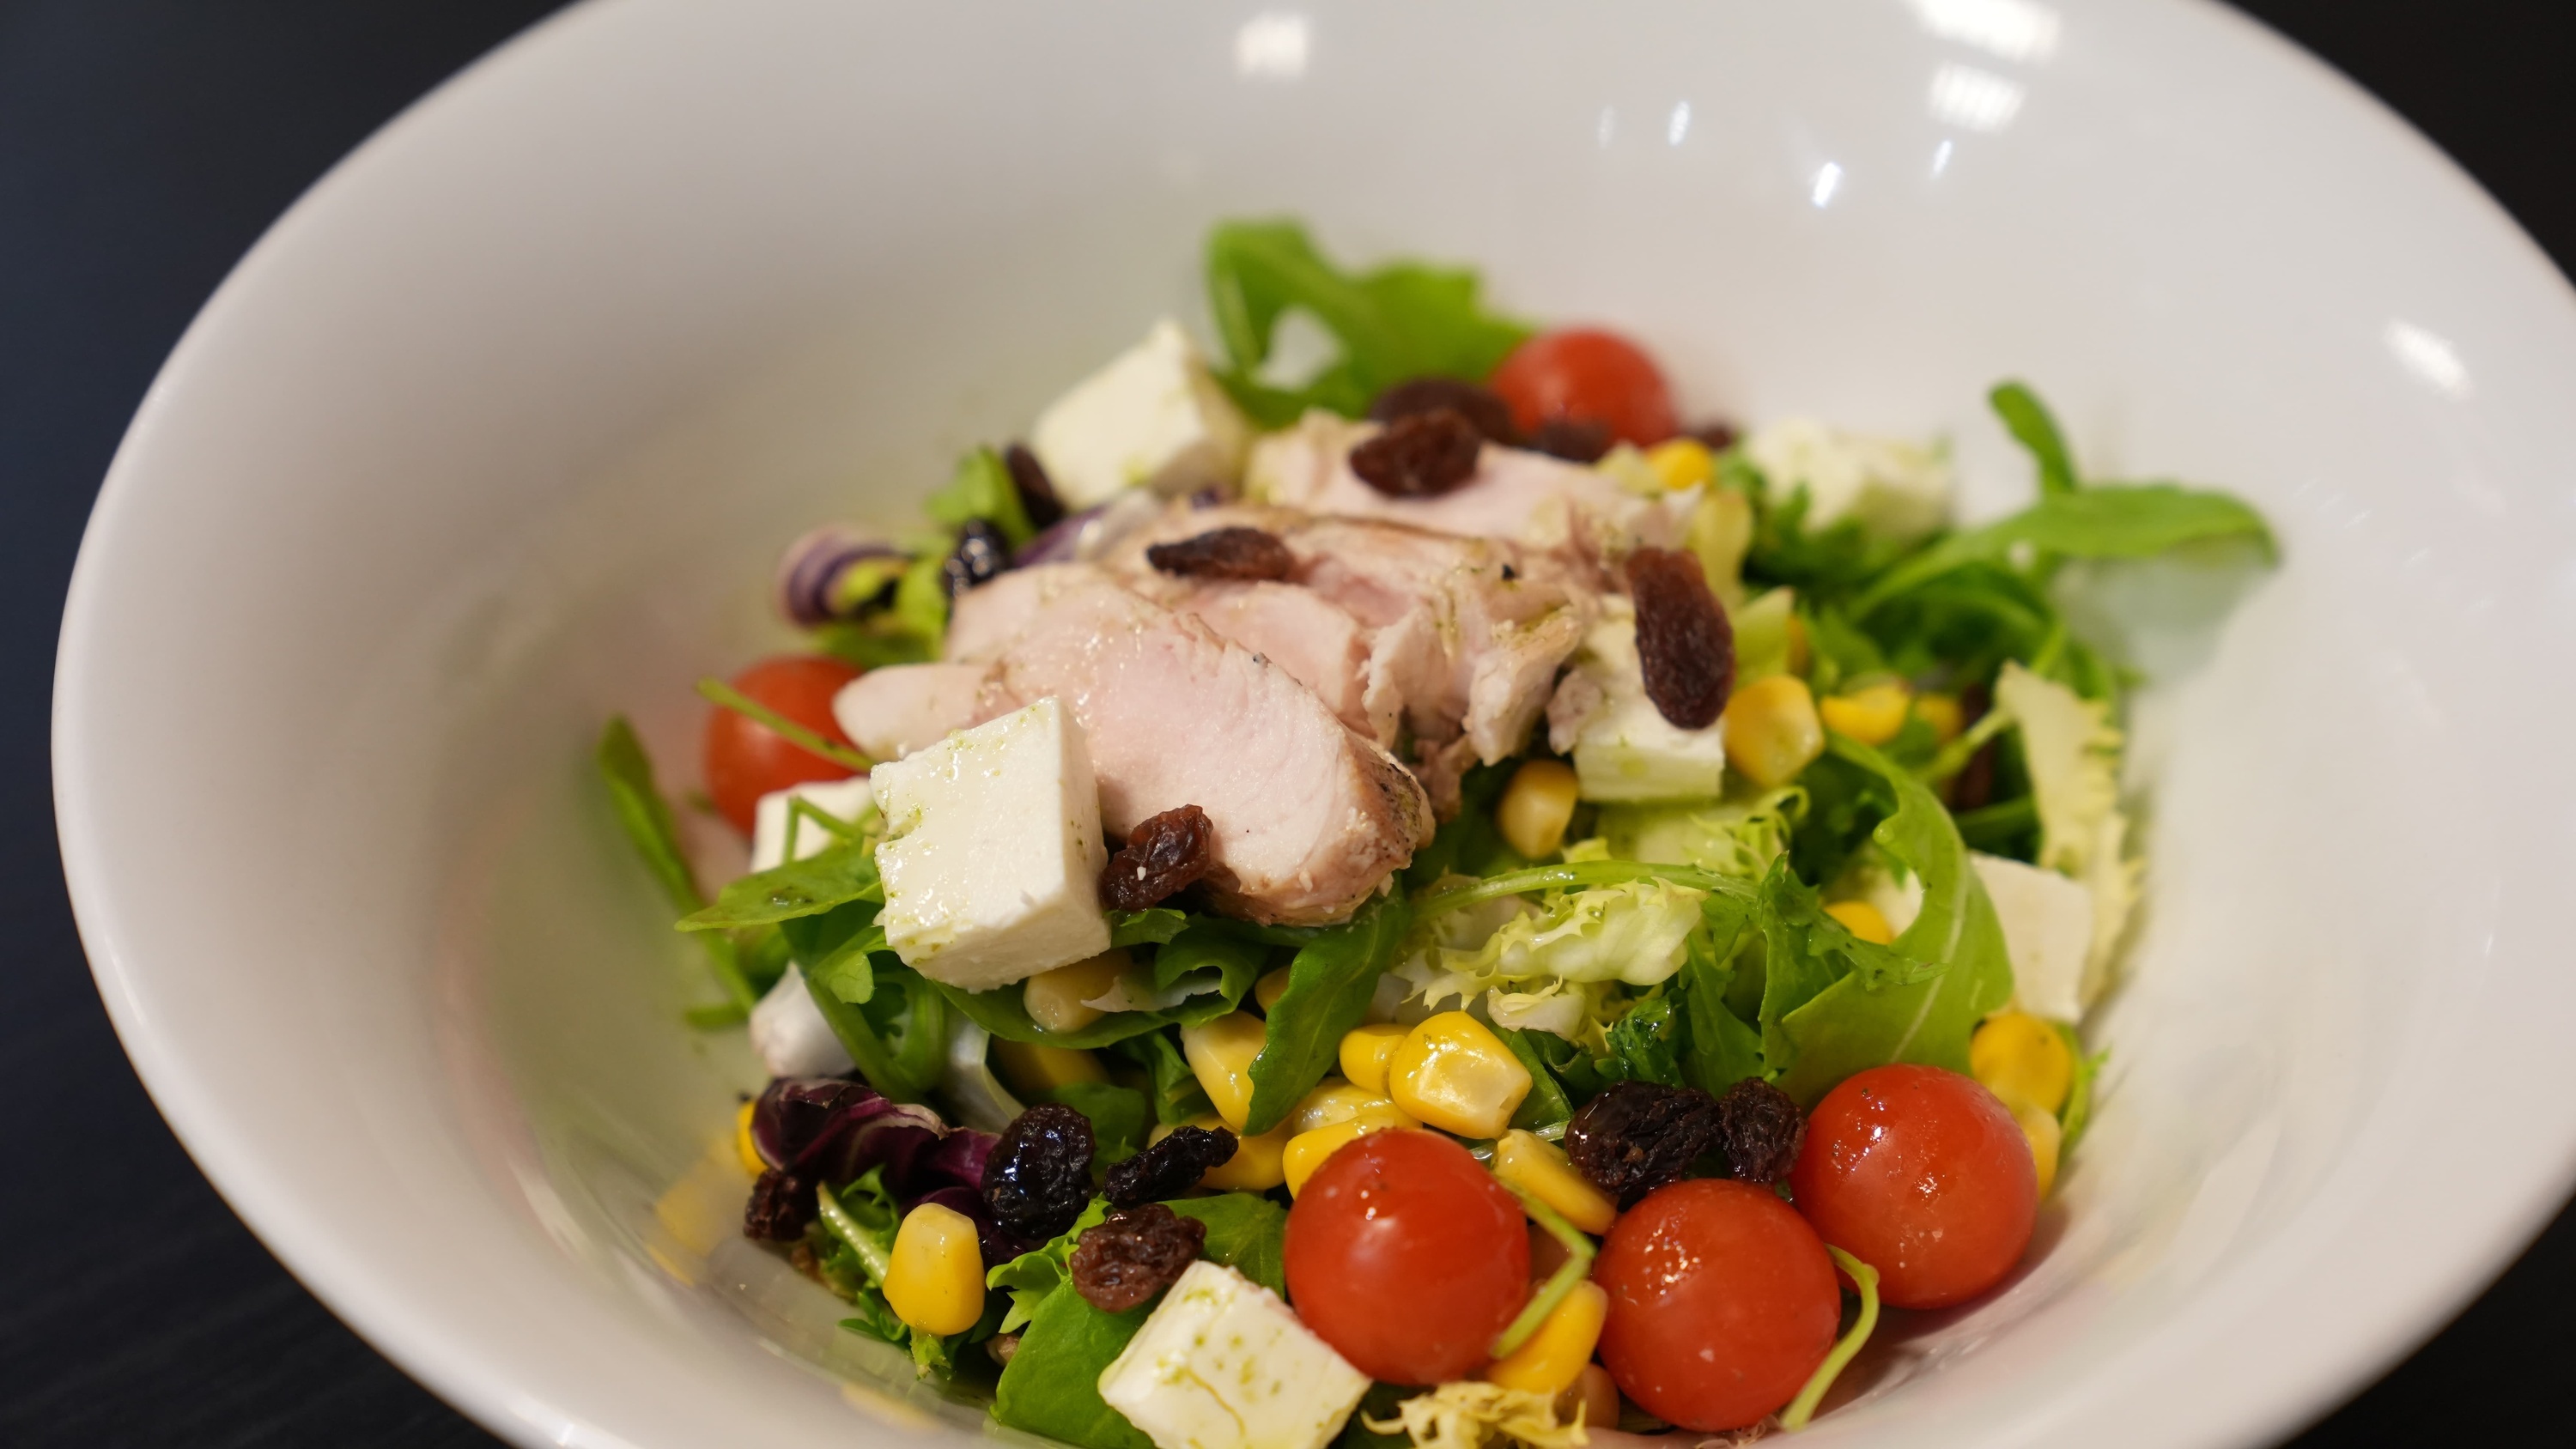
column 498, row 431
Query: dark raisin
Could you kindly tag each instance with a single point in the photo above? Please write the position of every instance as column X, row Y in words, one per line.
column 1037, row 491
column 1759, row 1130
column 1039, row 1177
column 1684, row 641
column 1716, row 437
column 782, row 1203
column 1135, row 1255
column 1974, row 786
column 1637, row 1136
column 1163, row 854
column 1170, row 1167
column 1225, row 553
column 1577, row 440
column 980, row 554
column 1420, row 456
column 1480, row 406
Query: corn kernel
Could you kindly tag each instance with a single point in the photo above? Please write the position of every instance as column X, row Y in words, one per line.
column 1682, row 463
column 1871, row 716
column 1536, row 807
column 1593, row 1392
column 1270, row 988
column 2023, row 1060
column 1553, row 1358
column 1220, row 1055
column 1365, row 1050
column 1034, row 1069
column 2045, row 1136
column 1863, row 920
column 1718, row 534
column 1308, row 1150
column 1255, row 1165
column 935, row 1276
column 1055, row 998
column 1772, row 731
column 1800, row 655
column 1539, row 1167
column 750, row 1155
column 1455, row 1074
column 1335, row 1100
column 1942, row 713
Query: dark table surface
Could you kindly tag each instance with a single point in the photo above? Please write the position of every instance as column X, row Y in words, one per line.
column 144, row 144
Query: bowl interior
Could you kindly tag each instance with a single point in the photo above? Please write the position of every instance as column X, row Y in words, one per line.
column 499, row 432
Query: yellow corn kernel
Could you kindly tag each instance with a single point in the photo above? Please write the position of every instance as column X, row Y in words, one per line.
column 1772, row 731
column 1270, row 988
column 751, row 1162
column 1596, row 1394
column 1682, row 463
column 1307, row 1150
column 1455, row 1074
column 1942, row 713
column 1863, row 920
column 1536, row 807
column 2023, row 1060
column 2045, row 1136
column 1055, row 998
column 1798, row 650
column 1553, row 1358
column 1871, row 716
column 935, row 1276
column 1539, row 1167
column 1255, row 1165
column 1220, row 1054
column 1335, row 1100
column 1365, row 1050
column 1034, row 1069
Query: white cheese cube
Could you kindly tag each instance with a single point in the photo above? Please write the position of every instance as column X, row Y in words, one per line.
column 790, row 1035
column 992, row 855
column 1623, row 747
column 1896, row 489
column 1153, row 418
column 1223, row 1364
column 2048, row 933
column 772, row 823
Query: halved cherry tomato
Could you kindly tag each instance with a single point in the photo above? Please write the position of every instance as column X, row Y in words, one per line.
column 1722, row 1303
column 1587, row 375
column 746, row 759
column 1407, row 1257
column 1922, row 1174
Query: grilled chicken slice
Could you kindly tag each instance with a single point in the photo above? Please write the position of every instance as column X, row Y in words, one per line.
column 893, row 710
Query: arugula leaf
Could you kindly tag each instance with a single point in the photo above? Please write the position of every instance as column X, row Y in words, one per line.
column 982, row 488
column 1329, row 986
column 2131, row 520
column 1177, row 1096
column 897, row 1037
column 833, row 948
column 861, row 1219
column 2031, row 424
column 1646, row 1044
column 1037, row 1273
column 1805, row 952
column 1201, row 946
column 1119, row 1116
column 1470, row 843
column 2077, row 1114
column 1245, row 1232
column 1721, row 1048
column 1546, row 1105
column 808, row 887
column 1154, row 926
column 656, row 836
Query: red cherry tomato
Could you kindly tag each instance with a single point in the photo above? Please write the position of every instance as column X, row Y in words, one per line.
column 746, row 759
column 1589, row 376
column 1407, row 1257
column 1722, row 1303
column 1923, row 1175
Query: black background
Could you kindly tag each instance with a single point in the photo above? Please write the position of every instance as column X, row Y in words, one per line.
column 144, row 144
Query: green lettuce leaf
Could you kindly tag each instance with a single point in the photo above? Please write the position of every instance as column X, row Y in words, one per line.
column 1646, row 1044
column 1330, row 983
column 1229, row 965
column 807, row 887
column 2134, row 520
column 1119, row 1117
column 1177, row 1096
column 2035, row 428
column 647, row 819
column 982, row 488
column 1245, row 1232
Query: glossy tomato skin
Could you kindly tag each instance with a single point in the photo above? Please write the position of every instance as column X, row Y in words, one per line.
column 746, row 759
column 1588, row 375
column 1407, row 1257
column 1922, row 1174
column 1722, row 1303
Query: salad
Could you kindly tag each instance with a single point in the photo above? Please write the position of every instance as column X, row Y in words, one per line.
column 1425, row 899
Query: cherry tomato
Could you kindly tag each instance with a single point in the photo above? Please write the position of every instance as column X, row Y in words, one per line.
column 746, row 759
column 1722, row 1303
column 1589, row 376
column 1923, row 1175
column 1407, row 1257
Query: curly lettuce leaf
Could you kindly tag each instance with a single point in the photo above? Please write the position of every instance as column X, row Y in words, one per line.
column 2072, row 751
column 1737, row 838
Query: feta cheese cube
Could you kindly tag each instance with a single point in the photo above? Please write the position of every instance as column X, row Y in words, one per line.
column 1897, row 489
column 993, row 854
column 1222, row 1363
column 1153, row 418
column 2048, row 933
column 772, row 824
column 1623, row 747
column 790, row 1035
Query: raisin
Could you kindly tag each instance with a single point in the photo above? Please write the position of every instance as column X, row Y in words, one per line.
column 1039, row 1177
column 1135, row 1255
column 1576, row 440
column 1684, row 641
column 1974, row 786
column 1759, row 1131
column 1170, row 1167
column 782, row 1203
column 981, row 553
column 1037, row 491
column 1480, row 406
column 1225, row 553
column 1163, row 853
column 1716, row 437
column 1637, row 1136
column 1422, row 455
